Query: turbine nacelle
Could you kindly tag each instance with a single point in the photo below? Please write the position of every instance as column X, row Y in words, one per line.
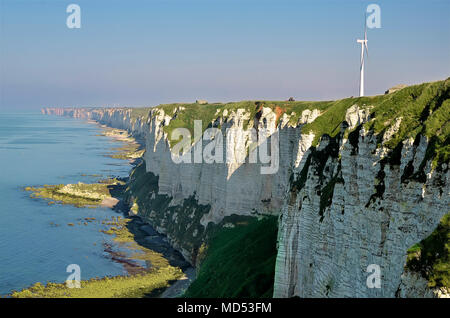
column 363, row 45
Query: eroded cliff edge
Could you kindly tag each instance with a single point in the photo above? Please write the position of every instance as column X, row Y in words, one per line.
column 360, row 181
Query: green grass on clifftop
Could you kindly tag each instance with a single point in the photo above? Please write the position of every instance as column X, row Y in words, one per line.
column 239, row 262
column 141, row 112
column 423, row 109
column 209, row 112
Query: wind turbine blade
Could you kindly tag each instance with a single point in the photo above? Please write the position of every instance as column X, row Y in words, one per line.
column 365, row 25
column 365, row 34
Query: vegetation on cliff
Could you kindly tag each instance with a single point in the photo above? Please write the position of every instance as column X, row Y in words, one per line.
column 239, row 262
column 182, row 221
column 422, row 109
column 139, row 113
column 431, row 257
column 187, row 113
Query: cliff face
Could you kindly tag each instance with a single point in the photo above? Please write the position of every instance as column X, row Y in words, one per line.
column 229, row 187
column 359, row 181
column 112, row 117
column 325, row 248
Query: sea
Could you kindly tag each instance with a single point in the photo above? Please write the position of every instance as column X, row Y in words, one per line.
column 37, row 244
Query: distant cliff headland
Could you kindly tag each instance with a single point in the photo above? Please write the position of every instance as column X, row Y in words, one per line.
column 362, row 183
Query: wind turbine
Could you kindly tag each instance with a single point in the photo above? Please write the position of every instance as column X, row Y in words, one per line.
column 363, row 45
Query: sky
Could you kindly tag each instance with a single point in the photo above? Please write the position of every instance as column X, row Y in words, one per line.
column 147, row 52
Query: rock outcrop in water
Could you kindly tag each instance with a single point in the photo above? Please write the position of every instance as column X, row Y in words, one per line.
column 360, row 181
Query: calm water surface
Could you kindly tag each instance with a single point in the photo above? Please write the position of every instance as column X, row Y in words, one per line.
column 36, row 243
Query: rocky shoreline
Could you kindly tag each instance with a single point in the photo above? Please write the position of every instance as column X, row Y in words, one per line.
column 147, row 250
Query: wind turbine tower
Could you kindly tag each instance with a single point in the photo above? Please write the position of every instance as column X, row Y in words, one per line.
column 363, row 45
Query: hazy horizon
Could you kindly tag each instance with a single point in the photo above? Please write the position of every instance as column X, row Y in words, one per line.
column 147, row 53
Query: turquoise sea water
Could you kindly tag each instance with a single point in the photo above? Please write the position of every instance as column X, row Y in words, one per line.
column 36, row 242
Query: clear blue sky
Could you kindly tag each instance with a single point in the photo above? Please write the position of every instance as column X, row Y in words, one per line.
column 142, row 53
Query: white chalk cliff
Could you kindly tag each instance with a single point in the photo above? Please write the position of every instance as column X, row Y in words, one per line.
column 343, row 204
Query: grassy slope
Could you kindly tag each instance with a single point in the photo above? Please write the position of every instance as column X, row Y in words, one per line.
column 239, row 262
column 431, row 257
